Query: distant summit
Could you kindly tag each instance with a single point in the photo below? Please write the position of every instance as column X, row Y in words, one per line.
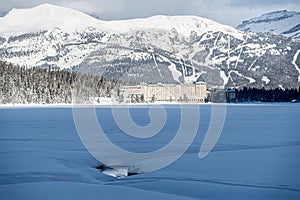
column 286, row 23
column 45, row 17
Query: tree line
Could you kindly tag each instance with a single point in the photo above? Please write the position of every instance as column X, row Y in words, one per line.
column 263, row 95
column 21, row 85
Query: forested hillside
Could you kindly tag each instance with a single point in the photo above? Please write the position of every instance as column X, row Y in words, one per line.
column 34, row 85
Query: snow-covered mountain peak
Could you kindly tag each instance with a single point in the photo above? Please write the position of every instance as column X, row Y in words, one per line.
column 282, row 22
column 182, row 24
column 45, row 17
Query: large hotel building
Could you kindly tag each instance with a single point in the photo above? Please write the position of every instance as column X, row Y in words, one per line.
column 190, row 93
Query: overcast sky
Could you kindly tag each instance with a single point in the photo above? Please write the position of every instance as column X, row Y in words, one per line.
column 230, row 12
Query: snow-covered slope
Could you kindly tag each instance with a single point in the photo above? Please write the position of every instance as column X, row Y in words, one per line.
column 160, row 48
column 280, row 22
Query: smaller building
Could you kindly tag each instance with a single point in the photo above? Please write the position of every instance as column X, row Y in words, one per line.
column 223, row 95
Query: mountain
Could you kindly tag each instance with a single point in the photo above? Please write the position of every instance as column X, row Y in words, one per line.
column 279, row 22
column 166, row 49
column 45, row 17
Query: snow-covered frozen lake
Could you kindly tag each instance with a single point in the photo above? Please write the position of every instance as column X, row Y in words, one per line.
column 256, row 157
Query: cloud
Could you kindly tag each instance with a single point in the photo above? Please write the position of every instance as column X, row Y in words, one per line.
column 263, row 3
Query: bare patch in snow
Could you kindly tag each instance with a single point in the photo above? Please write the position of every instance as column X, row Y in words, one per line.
column 265, row 79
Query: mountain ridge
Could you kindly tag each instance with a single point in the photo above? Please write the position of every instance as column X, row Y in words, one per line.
column 281, row 22
column 65, row 21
